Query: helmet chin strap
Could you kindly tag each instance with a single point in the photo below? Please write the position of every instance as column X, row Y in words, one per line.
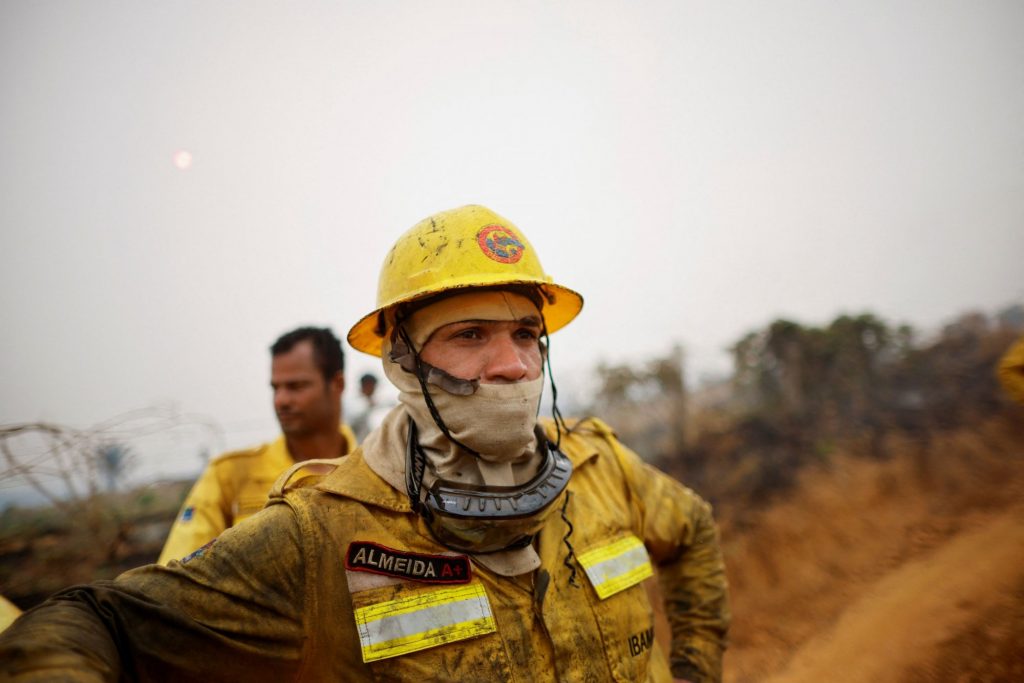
column 421, row 373
column 556, row 414
column 415, row 468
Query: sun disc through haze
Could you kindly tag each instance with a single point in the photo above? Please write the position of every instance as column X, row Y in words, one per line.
column 182, row 160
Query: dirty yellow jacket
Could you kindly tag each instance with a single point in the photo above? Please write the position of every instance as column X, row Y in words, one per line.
column 337, row 580
column 233, row 486
column 1011, row 370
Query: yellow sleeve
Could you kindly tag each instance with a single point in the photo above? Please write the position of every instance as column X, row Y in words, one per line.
column 231, row 612
column 204, row 516
column 8, row 612
column 680, row 534
column 1011, row 371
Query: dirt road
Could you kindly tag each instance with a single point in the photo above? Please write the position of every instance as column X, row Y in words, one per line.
column 907, row 569
column 931, row 618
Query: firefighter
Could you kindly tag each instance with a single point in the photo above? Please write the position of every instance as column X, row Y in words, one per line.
column 1011, row 370
column 463, row 540
column 307, row 376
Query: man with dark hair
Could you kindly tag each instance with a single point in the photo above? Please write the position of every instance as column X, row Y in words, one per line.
column 368, row 384
column 373, row 412
column 307, row 377
column 327, row 351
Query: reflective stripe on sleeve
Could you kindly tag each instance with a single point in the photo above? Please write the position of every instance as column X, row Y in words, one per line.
column 423, row 620
column 617, row 566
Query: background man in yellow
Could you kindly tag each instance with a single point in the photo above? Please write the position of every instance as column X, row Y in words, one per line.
column 465, row 540
column 307, row 377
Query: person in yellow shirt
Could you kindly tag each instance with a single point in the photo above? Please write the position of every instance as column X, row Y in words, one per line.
column 307, row 377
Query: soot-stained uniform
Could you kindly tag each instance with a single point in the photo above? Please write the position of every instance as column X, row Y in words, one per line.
column 338, row 580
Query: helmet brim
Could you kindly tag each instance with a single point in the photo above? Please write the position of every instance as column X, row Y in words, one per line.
column 561, row 306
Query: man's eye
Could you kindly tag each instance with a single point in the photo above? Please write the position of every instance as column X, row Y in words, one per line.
column 527, row 333
column 468, row 333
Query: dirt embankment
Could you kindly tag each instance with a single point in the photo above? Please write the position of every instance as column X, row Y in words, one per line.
column 913, row 621
column 908, row 570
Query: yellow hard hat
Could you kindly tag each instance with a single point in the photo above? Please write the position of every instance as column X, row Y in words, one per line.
column 460, row 249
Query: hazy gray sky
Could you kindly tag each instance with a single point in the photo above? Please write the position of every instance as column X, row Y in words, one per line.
column 694, row 169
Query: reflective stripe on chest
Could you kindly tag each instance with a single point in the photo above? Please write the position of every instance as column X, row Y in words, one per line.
column 616, row 566
column 422, row 620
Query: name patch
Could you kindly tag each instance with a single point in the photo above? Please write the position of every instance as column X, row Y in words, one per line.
column 641, row 642
column 363, row 556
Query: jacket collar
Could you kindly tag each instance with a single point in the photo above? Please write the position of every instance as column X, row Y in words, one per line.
column 277, row 454
column 578, row 449
column 353, row 478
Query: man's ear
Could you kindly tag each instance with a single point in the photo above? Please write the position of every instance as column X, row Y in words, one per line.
column 337, row 382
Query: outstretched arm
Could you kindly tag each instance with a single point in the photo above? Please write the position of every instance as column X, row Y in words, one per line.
column 231, row 612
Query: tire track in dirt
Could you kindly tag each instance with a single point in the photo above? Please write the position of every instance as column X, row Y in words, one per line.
column 901, row 624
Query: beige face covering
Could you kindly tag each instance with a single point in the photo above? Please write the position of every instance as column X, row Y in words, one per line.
column 495, row 420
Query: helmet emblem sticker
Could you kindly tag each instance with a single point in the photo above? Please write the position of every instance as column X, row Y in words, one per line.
column 501, row 244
